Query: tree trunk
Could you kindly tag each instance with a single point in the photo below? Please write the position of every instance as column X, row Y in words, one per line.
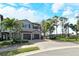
column 10, row 35
column 62, row 28
column 56, row 31
column 44, row 35
column 76, row 35
column 68, row 31
column 0, row 35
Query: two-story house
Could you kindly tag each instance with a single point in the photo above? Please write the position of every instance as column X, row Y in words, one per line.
column 30, row 31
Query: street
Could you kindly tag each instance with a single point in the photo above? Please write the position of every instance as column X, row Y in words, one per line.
column 59, row 52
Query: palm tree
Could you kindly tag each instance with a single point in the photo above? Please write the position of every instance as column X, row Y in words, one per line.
column 8, row 25
column 51, row 29
column 66, row 27
column 63, row 21
column 55, row 22
column 74, row 28
column 12, row 25
column 77, row 17
column 51, row 26
column 17, row 29
column 47, row 26
column 44, row 27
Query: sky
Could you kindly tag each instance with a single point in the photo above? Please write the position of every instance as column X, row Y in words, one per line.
column 36, row 12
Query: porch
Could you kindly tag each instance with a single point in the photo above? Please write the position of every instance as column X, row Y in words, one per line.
column 4, row 36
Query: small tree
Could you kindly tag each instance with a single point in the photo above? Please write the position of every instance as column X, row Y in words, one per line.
column 47, row 26
column 74, row 28
column 8, row 25
column 51, row 25
column 17, row 29
column 12, row 25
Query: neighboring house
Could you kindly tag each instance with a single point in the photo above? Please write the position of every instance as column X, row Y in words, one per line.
column 3, row 35
column 30, row 31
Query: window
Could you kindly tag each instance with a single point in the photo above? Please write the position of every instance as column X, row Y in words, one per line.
column 25, row 25
column 35, row 27
column 29, row 25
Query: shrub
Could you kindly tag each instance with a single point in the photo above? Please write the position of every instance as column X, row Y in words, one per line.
column 20, row 41
column 52, row 37
column 25, row 41
column 5, row 43
column 72, row 37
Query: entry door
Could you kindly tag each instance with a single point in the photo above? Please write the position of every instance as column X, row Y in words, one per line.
column 27, row 36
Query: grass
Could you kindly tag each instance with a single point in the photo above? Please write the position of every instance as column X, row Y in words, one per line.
column 17, row 51
column 7, row 43
column 68, row 40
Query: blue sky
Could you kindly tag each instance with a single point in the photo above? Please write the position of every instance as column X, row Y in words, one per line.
column 36, row 12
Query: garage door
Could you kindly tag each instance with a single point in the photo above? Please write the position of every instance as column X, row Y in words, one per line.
column 27, row 36
column 36, row 36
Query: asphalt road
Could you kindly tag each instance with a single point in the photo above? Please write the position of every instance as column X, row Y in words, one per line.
column 59, row 52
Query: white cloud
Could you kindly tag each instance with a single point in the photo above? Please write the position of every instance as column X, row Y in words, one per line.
column 56, row 7
column 21, row 13
column 71, row 14
column 67, row 12
column 1, row 5
column 76, row 13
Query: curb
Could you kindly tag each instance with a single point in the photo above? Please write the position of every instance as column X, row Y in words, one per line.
column 39, row 51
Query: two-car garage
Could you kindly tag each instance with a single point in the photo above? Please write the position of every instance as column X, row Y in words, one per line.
column 31, row 36
column 36, row 36
column 27, row 36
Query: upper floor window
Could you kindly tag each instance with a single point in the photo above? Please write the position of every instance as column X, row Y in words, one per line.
column 27, row 26
column 35, row 27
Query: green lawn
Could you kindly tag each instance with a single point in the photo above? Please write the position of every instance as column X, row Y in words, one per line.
column 7, row 43
column 17, row 51
column 66, row 39
column 69, row 40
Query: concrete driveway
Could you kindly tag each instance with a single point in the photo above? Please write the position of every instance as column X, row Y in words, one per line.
column 47, row 44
